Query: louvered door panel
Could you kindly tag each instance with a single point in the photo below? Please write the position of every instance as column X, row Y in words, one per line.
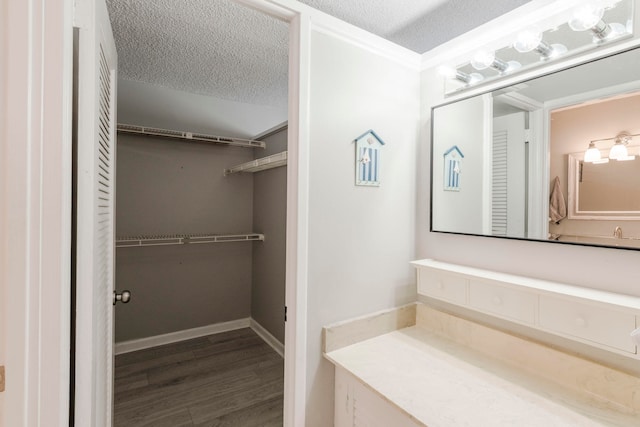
column 499, row 184
column 95, row 229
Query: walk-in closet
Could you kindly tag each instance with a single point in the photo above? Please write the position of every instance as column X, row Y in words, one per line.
column 200, row 216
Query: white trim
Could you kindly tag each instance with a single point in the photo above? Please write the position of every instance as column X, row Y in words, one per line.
column 37, row 206
column 284, row 10
column 573, row 199
column 487, row 164
column 539, row 164
column 287, row 10
column 297, row 227
column 266, row 336
column 202, row 331
column 173, row 337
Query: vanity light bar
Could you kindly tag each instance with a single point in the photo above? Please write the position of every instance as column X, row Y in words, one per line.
column 617, row 152
column 583, row 17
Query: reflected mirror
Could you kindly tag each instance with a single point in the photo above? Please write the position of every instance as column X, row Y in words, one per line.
column 511, row 163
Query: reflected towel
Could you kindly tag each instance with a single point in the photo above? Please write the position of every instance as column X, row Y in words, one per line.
column 557, row 205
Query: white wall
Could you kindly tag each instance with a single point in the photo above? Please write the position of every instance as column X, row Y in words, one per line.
column 360, row 238
column 600, row 268
column 464, row 208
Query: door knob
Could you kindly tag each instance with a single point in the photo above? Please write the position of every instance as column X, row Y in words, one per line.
column 123, row 297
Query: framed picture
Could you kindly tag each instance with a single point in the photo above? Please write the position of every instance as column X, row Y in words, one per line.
column 368, row 156
column 452, row 168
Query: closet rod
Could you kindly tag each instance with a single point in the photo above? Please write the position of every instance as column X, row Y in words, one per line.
column 190, row 136
column 183, row 239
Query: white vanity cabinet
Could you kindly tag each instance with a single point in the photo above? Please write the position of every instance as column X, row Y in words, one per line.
column 358, row 406
column 598, row 318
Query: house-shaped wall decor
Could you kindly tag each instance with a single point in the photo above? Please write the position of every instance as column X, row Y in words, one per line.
column 368, row 153
column 452, row 168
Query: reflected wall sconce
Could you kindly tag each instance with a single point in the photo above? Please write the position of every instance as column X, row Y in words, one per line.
column 617, row 152
column 593, row 155
column 530, row 40
column 589, row 17
column 485, row 59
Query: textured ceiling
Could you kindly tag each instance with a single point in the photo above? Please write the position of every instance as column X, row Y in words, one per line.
column 225, row 50
column 208, row 47
column 418, row 25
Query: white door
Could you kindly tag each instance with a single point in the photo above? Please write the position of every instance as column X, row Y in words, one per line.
column 95, row 216
column 509, row 180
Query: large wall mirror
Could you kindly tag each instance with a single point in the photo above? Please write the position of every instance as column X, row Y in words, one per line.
column 556, row 158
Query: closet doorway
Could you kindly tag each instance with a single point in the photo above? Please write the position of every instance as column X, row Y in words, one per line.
column 201, row 207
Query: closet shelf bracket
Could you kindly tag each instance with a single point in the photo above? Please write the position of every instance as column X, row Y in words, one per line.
column 189, row 136
column 264, row 163
column 184, row 239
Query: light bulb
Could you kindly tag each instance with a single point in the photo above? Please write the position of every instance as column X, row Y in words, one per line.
column 618, row 151
column 452, row 73
column 447, row 72
column 616, row 30
column 592, row 155
column 527, row 41
column 586, row 17
column 483, row 59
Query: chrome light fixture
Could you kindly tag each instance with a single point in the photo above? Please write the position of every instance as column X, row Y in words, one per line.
column 589, row 17
column 619, row 150
column 556, row 23
column 485, row 59
column 530, row 40
column 466, row 78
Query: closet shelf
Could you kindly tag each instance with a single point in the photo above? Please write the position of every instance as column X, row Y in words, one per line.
column 183, row 239
column 190, row 136
column 273, row 161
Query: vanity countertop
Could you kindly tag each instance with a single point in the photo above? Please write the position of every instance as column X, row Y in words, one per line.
column 442, row 383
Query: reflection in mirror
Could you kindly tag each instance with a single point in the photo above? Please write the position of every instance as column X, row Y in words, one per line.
column 603, row 195
column 604, row 190
column 504, row 138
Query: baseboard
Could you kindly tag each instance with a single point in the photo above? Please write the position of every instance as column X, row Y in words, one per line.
column 216, row 328
column 266, row 336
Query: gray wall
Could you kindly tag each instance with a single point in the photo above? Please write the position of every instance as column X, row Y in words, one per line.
column 166, row 187
column 269, row 218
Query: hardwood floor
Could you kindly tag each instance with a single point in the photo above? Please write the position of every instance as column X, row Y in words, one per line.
column 228, row 379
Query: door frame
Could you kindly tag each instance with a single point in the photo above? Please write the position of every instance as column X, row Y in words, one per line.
column 36, row 206
column 36, row 201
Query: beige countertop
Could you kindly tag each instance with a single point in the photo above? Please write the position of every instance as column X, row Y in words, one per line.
column 442, row 383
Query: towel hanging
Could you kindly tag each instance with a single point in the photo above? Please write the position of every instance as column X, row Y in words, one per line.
column 557, row 204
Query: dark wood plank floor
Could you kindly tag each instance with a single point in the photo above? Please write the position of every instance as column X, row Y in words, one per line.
column 228, row 379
